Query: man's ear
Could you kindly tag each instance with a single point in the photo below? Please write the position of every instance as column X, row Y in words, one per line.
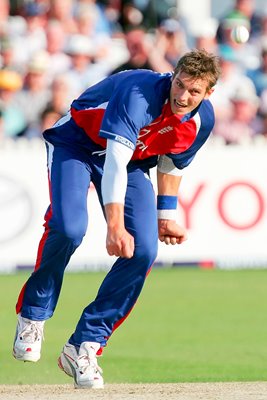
column 208, row 93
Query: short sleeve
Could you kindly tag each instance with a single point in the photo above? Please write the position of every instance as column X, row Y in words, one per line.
column 126, row 113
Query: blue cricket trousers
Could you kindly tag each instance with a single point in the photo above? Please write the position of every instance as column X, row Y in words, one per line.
column 72, row 165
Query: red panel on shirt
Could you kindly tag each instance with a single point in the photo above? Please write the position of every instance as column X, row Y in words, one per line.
column 90, row 121
column 164, row 135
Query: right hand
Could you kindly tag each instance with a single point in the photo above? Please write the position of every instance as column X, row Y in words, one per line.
column 119, row 243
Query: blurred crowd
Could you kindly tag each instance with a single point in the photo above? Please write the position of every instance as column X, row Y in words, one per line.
column 52, row 50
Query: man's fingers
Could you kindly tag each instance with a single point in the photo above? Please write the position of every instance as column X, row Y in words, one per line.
column 128, row 248
column 170, row 240
column 173, row 240
column 124, row 248
column 167, row 239
column 113, row 251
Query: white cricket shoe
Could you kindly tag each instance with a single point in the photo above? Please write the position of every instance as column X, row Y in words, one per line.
column 28, row 339
column 82, row 365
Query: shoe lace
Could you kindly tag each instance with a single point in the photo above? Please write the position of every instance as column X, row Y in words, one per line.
column 84, row 363
column 32, row 332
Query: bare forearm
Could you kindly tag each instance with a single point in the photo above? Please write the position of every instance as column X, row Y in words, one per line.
column 169, row 231
column 168, row 184
column 119, row 242
column 114, row 215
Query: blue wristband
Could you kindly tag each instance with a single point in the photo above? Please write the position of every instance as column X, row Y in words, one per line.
column 167, row 202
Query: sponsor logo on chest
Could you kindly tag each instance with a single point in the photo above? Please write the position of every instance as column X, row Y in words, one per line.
column 144, row 133
column 166, row 129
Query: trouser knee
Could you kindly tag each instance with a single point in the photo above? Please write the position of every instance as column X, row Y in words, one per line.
column 70, row 234
column 75, row 236
column 146, row 254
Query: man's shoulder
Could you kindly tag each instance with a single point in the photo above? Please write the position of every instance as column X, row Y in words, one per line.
column 206, row 109
column 153, row 87
column 203, row 117
column 207, row 116
column 141, row 75
column 204, row 112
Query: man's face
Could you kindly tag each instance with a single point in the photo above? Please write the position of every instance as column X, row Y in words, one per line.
column 187, row 93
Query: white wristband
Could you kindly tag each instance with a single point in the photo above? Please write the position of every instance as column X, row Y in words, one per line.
column 167, row 214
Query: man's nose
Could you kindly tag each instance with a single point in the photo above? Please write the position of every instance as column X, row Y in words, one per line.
column 183, row 95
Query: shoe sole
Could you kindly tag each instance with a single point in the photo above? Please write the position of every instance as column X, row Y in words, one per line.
column 59, row 363
column 26, row 357
column 93, row 387
column 76, row 386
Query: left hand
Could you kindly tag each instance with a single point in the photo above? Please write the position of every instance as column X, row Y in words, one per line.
column 170, row 232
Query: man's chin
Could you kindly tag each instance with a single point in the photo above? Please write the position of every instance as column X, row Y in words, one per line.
column 179, row 110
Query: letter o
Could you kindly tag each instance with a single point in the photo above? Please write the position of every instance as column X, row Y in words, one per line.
column 258, row 215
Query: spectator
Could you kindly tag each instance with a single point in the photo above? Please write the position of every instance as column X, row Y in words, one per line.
column 10, row 26
column 63, row 11
column 259, row 75
column 101, row 23
column 34, row 39
column 4, row 17
column 47, row 119
column 2, row 133
column 56, row 39
column 263, row 101
column 130, row 15
column 92, row 22
column 263, row 32
column 12, row 29
column 263, row 113
column 242, row 125
column 61, row 94
column 84, row 72
column 148, row 13
column 35, row 94
column 88, row 19
column 111, row 9
column 231, row 79
column 7, row 52
column 171, row 40
column 13, row 122
column 142, row 53
column 205, row 38
column 263, row 116
column 243, row 13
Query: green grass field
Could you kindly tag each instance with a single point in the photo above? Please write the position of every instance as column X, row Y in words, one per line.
column 189, row 325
